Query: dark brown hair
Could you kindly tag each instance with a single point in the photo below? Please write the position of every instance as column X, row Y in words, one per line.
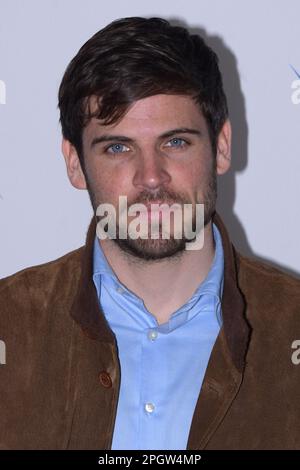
column 133, row 58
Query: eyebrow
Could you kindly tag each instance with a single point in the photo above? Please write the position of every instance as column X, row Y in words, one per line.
column 123, row 138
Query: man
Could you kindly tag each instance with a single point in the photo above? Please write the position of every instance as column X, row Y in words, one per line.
column 140, row 343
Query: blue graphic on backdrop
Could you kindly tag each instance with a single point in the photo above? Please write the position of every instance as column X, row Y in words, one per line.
column 295, row 96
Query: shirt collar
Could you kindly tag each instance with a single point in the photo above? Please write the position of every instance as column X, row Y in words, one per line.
column 212, row 284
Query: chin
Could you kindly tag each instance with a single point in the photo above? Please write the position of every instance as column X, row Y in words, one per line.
column 147, row 249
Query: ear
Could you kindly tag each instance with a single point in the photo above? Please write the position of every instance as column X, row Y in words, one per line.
column 74, row 170
column 224, row 149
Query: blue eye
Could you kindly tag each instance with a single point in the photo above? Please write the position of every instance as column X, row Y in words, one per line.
column 117, row 148
column 176, row 142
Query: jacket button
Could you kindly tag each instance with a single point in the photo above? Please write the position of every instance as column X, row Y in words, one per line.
column 105, row 379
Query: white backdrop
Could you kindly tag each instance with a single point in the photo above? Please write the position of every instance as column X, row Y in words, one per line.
column 44, row 217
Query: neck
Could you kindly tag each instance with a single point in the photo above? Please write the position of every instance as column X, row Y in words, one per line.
column 163, row 285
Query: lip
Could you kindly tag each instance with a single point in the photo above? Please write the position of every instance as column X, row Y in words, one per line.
column 152, row 211
column 154, row 204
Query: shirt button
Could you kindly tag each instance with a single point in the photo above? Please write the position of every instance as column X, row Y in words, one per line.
column 149, row 407
column 120, row 290
column 152, row 334
column 105, row 379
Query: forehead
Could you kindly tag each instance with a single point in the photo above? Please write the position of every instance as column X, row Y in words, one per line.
column 154, row 114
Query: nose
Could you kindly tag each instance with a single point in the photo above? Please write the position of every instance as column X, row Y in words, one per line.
column 151, row 171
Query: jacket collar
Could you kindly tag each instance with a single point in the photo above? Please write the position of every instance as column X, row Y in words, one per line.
column 87, row 313
column 236, row 327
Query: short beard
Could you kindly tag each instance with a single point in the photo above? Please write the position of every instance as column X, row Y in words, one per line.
column 158, row 249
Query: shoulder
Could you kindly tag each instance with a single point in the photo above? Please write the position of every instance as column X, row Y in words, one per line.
column 252, row 270
column 269, row 292
column 37, row 283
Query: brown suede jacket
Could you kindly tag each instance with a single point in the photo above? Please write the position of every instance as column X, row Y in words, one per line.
column 60, row 381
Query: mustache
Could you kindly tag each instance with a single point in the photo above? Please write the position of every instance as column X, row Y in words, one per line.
column 163, row 196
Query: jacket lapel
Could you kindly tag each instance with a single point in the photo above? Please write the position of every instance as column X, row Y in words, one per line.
column 227, row 361
column 85, row 308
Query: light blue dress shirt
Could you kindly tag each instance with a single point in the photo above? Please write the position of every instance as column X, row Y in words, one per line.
column 162, row 366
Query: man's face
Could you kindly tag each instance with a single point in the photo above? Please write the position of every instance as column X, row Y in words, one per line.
column 160, row 151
